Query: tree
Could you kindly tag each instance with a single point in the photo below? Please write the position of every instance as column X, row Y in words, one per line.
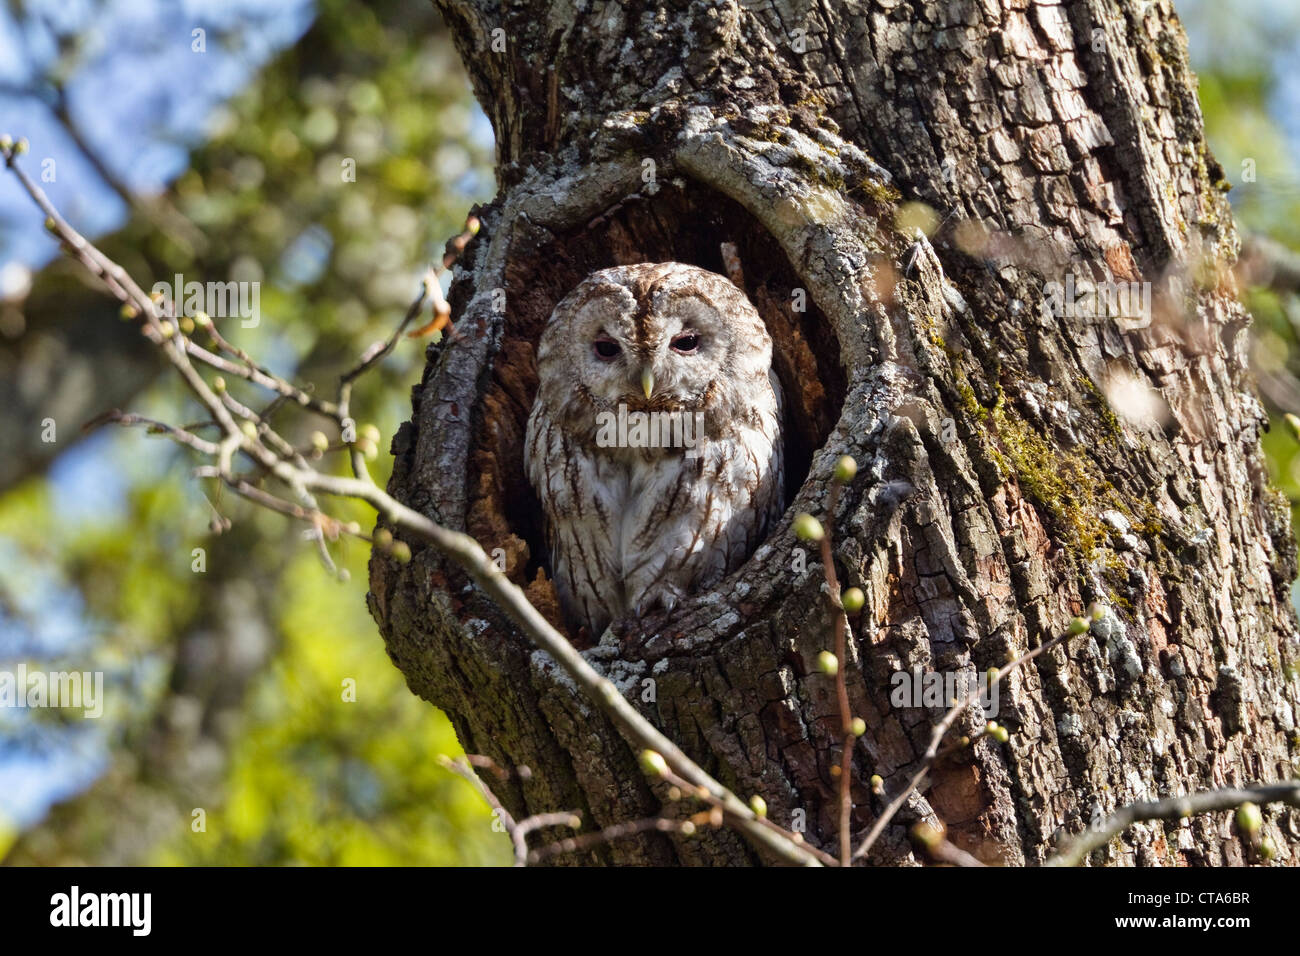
column 995, row 256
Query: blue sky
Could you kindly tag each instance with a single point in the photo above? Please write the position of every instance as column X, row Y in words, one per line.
column 1221, row 34
column 162, row 95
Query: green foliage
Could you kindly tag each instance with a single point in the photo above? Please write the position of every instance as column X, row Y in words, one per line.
column 333, row 763
column 334, row 178
column 1258, row 160
column 1261, row 165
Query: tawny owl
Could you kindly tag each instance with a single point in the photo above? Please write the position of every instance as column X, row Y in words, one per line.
column 655, row 440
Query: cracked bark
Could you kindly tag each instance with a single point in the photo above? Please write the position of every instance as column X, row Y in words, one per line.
column 1007, row 479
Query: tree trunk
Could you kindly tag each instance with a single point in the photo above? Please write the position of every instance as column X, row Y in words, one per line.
column 1021, row 453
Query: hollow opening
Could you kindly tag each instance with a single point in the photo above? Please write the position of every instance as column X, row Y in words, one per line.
column 683, row 223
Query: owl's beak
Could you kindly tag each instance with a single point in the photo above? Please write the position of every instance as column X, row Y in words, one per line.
column 647, row 382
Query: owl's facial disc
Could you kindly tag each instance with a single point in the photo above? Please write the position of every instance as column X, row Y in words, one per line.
column 600, row 343
column 686, row 349
column 683, row 344
column 662, row 354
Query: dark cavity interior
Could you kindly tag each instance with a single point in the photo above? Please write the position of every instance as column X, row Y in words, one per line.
column 680, row 225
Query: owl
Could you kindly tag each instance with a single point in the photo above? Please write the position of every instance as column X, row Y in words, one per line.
column 654, row 443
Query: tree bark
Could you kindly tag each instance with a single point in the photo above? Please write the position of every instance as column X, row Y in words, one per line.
column 1018, row 459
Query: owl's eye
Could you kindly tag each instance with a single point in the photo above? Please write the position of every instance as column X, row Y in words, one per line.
column 686, row 343
column 606, row 348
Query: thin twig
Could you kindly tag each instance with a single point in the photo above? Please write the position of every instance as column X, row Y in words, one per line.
column 609, row 834
column 518, row 831
column 848, row 737
column 502, row 814
column 944, row 852
column 1174, row 808
column 179, row 435
column 936, row 737
column 796, row 838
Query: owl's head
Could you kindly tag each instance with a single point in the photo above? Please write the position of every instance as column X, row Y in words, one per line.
column 655, row 336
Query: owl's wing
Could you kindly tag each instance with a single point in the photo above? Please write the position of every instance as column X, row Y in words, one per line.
column 774, row 426
column 580, row 496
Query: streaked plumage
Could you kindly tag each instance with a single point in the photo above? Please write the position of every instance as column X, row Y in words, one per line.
column 629, row 528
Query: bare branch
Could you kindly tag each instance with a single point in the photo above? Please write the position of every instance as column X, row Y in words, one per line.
column 518, row 831
column 848, row 737
column 157, row 209
column 502, row 814
column 1174, row 808
column 1266, row 262
column 936, row 738
column 179, row 435
column 618, row 831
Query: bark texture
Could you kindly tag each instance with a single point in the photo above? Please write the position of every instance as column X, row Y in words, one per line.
column 1016, row 461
